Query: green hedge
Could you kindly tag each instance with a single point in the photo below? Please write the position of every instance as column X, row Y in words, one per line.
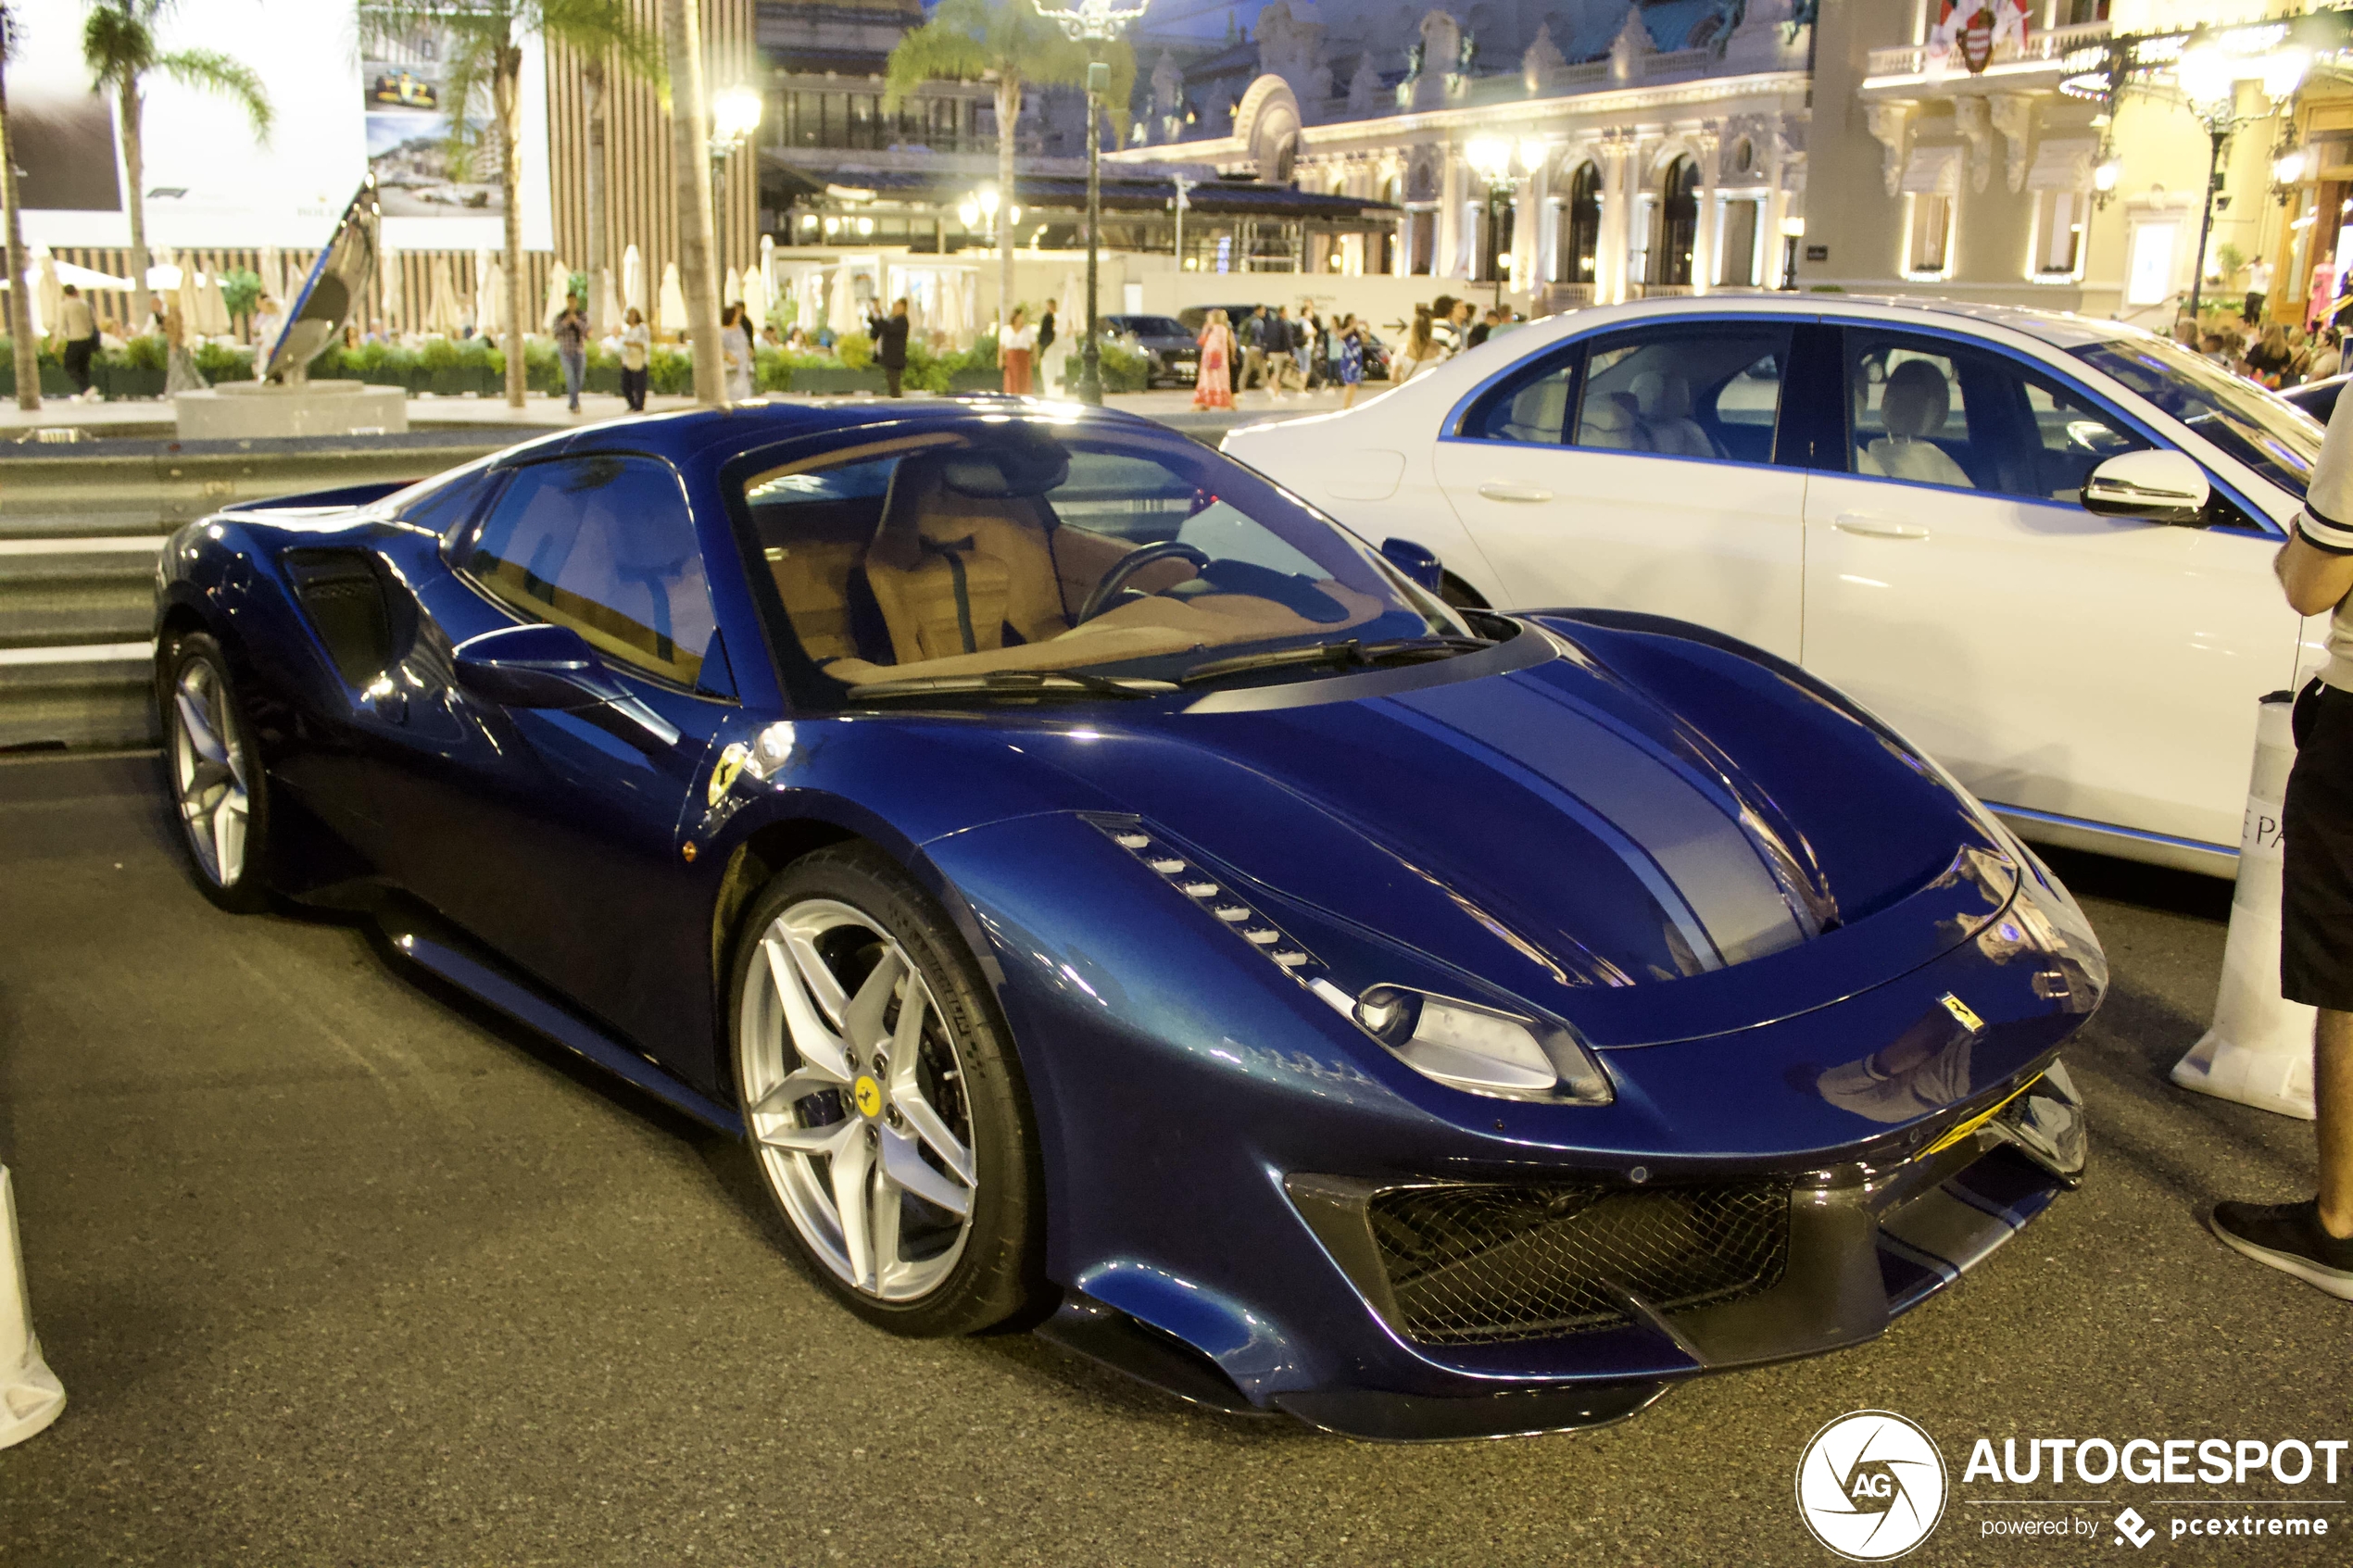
column 449, row 368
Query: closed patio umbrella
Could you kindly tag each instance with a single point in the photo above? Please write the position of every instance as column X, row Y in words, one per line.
column 441, row 316
column 273, row 275
column 490, row 301
column 212, row 306
column 673, row 316
column 841, row 311
column 48, row 290
column 608, row 301
column 756, row 300
column 388, row 269
column 731, row 289
column 558, row 291
column 632, row 281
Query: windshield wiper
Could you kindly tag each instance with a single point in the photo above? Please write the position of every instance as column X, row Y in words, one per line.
column 1349, row 652
column 1010, row 683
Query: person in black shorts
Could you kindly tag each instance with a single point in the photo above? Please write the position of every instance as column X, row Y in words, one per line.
column 2313, row 1240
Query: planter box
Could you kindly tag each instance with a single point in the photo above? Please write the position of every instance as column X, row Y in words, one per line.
column 976, row 380
column 823, row 382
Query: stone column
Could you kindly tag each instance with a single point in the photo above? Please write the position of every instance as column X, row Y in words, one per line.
column 1776, row 207
column 1707, row 235
column 1611, row 248
column 1531, row 236
column 1447, row 262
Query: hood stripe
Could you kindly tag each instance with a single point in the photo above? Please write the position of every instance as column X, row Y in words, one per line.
column 1691, row 834
column 1662, row 890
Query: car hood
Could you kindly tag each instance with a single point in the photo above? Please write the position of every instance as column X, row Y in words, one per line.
column 1652, row 836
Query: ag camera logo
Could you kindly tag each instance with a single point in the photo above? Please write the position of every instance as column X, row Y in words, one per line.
column 1870, row 1485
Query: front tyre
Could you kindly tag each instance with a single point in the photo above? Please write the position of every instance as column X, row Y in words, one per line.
column 219, row 790
column 882, row 1102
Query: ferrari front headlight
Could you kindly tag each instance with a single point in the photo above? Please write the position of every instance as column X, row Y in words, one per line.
column 1479, row 1050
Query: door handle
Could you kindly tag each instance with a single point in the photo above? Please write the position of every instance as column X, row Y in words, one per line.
column 1496, row 492
column 1878, row 527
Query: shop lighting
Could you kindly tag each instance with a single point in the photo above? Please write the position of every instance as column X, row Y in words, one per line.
column 734, row 114
column 2289, row 169
column 1793, row 228
column 2106, row 172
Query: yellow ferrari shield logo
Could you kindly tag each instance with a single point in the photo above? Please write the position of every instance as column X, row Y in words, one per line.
column 724, row 773
column 1963, row 1014
column 868, row 1094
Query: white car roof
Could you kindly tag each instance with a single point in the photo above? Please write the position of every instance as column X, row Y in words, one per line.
column 2059, row 329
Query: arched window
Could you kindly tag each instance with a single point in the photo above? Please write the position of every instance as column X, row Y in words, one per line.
column 1578, row 247
column 1677, row 223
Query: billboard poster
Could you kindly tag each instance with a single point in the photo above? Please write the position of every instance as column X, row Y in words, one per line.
column 427, row 163
column 343, row 104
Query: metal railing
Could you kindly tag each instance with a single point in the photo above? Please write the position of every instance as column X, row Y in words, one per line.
column 2052, row 45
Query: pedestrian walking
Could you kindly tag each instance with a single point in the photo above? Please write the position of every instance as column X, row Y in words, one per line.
column 1311, row 337
column 735, row 354
column 1421, row 348
column 1254, row 341
column 1442, row 330
column 571, row 348
column 79, row 329
column 2313, row 1240
column 637, row 346
column 1213, row 384
column 1350, row 339
column 890, row 345
column 1016, row 346
column 1050, row 363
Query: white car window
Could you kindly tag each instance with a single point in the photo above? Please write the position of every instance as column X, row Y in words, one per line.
column 1929, row 411
column 1710, row 389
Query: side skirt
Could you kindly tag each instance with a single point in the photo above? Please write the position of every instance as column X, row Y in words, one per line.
column 459, row 962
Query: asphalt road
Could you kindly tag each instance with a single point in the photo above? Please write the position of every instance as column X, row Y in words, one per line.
column 337, row 1270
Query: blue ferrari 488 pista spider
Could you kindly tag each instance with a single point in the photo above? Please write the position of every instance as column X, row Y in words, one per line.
column 1107, row 897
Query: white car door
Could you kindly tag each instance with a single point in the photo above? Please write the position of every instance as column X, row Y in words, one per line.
column 2059, row 661
column 1635, row 469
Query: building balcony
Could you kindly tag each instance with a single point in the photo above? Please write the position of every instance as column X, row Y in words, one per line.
column 2046, row 51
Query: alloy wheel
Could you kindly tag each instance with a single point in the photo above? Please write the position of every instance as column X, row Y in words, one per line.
column 208, row 771
column 857, row 1102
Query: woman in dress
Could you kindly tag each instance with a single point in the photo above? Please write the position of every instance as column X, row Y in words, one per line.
column 1350, row 338
column 1213, row 387
column 1015, row 347
column 1421, row 348
column 735, row 354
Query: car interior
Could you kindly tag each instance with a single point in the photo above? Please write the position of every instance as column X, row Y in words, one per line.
column 1967, row 420
column 928, row 555
column 1686, row 394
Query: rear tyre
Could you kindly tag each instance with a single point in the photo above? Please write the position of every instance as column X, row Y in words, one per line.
column 220, row 793
column 882, row 1100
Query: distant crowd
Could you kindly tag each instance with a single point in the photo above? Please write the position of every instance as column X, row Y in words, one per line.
column 1285, row 352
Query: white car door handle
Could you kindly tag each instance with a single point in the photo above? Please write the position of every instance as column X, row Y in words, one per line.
column 1878, row 527
column 1496, row 492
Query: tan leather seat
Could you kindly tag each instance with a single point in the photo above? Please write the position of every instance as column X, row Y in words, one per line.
column 812, row 577
column 1914, row 406
column 930, row 537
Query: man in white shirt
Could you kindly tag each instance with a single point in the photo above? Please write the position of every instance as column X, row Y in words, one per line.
column 78, row 328
column 2258, row 289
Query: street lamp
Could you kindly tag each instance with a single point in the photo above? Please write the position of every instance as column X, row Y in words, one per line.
column 2208, row 73
column 734, row 114
column 1793, row 231
column 1491, row 156
column 1095, row 23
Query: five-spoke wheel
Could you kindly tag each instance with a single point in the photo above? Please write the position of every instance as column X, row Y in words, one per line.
column 216, row 776
column 881, row 1105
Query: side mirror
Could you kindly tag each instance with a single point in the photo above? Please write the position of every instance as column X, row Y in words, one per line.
column 543, row 666
column 1416, row 562
column 2165, row 487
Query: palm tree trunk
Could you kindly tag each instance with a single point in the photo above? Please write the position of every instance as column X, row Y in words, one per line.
column 592, row 80
column 507, row 91
column 21, row 317
column 1008, row 117
column 136, row 203
column 690, row 167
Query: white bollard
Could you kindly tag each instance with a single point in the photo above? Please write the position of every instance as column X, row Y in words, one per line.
column 30, row 1395
column 2259, row 1050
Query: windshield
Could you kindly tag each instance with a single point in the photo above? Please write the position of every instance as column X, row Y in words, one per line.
column 1003, row 547
column 1149, row 326
column 2268, row 433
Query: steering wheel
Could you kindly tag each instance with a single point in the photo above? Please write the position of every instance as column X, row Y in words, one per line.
column 1131, row 563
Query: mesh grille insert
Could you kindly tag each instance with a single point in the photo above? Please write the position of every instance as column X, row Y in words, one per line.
column 1486, row 1264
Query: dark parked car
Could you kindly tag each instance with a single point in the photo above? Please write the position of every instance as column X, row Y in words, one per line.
column 1162, row 339
column 2317, row 398
column 1106, row 895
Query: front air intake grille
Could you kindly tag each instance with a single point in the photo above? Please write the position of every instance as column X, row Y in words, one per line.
column 1481, row 1265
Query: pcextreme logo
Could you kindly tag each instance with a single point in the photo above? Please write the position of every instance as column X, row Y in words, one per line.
column 1870, row 1485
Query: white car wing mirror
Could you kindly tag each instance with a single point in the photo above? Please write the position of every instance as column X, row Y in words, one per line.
column 2167, row 487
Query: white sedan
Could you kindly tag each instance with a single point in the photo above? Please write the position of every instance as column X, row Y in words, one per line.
column 2038, row 544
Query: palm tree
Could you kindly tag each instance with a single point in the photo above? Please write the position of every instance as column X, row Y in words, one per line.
column 689, row 166
column 20, row 315
column 118, row 45
column 1008, row 43
column 483, row 42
